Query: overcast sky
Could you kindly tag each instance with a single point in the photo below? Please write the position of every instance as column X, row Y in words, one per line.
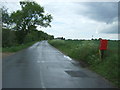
column 78, row 20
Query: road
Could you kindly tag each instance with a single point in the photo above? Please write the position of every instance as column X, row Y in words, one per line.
column 43, row 66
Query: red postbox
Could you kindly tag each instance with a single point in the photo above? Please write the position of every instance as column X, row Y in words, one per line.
column 103, row 44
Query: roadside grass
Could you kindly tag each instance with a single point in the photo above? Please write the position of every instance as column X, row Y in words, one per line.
column 17, row 47
column 0, row 49
column 88, row 51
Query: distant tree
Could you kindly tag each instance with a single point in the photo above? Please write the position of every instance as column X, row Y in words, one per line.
column 29, row 17
column 99, row 38
column 51, row 37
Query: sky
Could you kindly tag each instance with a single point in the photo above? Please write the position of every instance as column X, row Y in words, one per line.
column 78, row 19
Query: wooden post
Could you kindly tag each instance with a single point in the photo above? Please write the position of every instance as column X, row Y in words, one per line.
column 102, row 54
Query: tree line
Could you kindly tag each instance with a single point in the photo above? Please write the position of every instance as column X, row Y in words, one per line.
column 20, row 27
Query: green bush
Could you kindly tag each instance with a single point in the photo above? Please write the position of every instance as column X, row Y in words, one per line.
column 8, row 38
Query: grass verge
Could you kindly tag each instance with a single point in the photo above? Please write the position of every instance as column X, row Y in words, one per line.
column 0, row 49
column 88, row 51
column 17, row 47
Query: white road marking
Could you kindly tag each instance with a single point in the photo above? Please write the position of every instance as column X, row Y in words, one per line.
column 41, row 75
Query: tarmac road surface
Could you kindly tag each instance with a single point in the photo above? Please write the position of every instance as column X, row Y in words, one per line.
column 43, row 66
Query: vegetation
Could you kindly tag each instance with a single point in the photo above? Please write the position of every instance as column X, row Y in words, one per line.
column 0, row 49
column 17, row 47
column 20, row 27
column 30, row 16
column 9, row 38
column 88, row 51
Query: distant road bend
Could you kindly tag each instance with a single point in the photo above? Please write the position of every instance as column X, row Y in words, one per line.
column 42, row 66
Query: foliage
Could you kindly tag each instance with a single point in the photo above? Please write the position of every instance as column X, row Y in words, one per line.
column 19, row 27
column 28, row 18
column 31, row 15
column 10, row 39
column 37, row 35
column 5, row 17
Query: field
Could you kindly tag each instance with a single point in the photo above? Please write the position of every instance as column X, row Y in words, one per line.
column 87, row 51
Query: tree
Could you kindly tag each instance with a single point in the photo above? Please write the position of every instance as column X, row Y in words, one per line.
column 29, row 17
column 8, row 38
column 5, row 17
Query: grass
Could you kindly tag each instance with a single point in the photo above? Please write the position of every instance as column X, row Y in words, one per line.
column 0, row 49
column 88, row 51
column 17, row 47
